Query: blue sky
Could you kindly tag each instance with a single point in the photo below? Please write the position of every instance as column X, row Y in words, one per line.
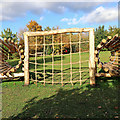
column 16, row 14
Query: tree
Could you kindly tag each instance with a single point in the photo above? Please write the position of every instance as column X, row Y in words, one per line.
column 21, row 36
column 57, row 39
column 100, row 33
column 8, row 34
column 13, row 36
column 113, row 31
column 33, row 26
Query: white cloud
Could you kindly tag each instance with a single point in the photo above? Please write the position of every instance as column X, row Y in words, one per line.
column 41, row 18
column 16, row 8
column 70, row 21
column 100, row 15
column 65, row 20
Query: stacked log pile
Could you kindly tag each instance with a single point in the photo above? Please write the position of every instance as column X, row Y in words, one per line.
column 112, row 68
column 6, row 46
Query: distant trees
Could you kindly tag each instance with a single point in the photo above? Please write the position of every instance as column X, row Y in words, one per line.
column 33, row 26
column 57, row 39
column 113, row 31
column 9, row 34
column 100, row 33
column 21, row 36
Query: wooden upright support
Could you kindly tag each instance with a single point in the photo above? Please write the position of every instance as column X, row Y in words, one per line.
column 62, row 31
column 91, row 57
column 26, row 60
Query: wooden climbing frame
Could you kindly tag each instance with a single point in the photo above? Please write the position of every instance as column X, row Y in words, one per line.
column 91, row 60
column 6, row 70
column 112, row 68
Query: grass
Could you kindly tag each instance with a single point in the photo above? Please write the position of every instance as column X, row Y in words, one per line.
column 38, row 101
column 57, row 68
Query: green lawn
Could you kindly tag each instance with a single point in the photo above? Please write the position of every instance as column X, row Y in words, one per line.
column 39, row 101
column 57, row 68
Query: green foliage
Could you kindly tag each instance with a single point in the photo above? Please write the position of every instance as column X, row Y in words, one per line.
column 100, row 33
column 113, row 31
column 13, row 36
column 48, row 50
column 33, row 26
column 8, row 34
column 15, row 55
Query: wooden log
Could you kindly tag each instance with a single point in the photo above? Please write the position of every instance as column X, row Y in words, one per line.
column 111, row 41
column 91, row 57
column 10, row 45
column 114, row 73
column 114, row 59
column 2, row 51
column 117, row 47
column 4, row 62
column 103, row 43
column 26, row 60
column 15, row 75
column 115, row 63
column 102, row 75
column 96, row 59
column 115, row 43
column 3, row 73
column 100, row 65
column 14, row 69
column 22, row 57
column 20, row 62
column 52, row 32
column 3, row 69
column 113, row 70
column 96, row 52
column 105, row 68
column 6, row 46
column 3, row 55
column 115, row 53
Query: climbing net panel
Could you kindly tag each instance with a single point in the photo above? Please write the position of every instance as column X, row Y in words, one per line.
column 111, row 68
column 9, row 46
column 46, row 51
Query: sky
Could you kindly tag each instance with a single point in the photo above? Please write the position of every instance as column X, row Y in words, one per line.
column 15, row 14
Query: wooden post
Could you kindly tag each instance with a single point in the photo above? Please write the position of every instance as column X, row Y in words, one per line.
column 91, row 57
column 26, row 60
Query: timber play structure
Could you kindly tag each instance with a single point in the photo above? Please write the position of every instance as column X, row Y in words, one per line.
column 111, row 68
column 6, row 70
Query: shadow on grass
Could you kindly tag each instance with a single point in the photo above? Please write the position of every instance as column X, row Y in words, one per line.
column 40, row 75
column 48, row 59
column 94, row 102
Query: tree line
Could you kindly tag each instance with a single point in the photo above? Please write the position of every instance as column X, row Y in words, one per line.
column 33, row 26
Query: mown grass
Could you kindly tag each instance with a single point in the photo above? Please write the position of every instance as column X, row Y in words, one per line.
column 39, row 101
column 57, row 68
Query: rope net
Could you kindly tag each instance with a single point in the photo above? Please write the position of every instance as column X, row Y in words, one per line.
column 60, row 58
